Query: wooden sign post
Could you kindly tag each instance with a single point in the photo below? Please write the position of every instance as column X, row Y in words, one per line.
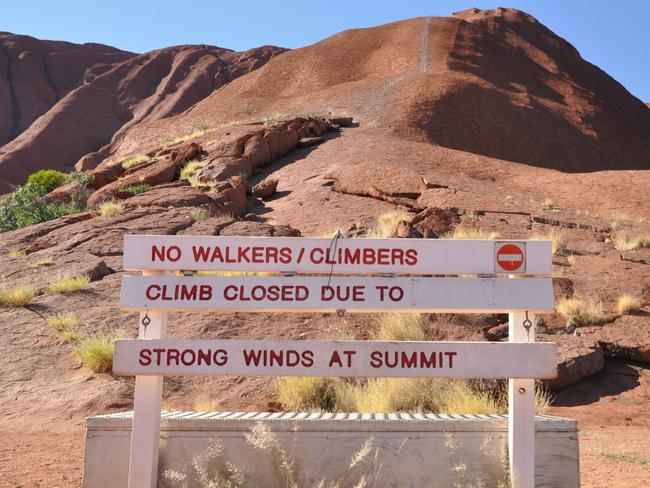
column 332, row 283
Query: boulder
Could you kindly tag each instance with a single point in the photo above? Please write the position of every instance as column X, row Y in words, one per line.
column 231, row 195
column 578, row 357
column 406, row 230
column 156, row 174
column 340, row 121
column 224, row 167
column 280, row 142
column 257, row 150
column 265, row 188
column 285, row 231
column 628, row 337
column 186, row 153
column 105, row 174
column 211, row 226
column 434, row 221
column 248, row 228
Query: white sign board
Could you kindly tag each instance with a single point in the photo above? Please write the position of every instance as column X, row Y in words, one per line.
column 335, row 358
column 324, row 294
column 318, row 255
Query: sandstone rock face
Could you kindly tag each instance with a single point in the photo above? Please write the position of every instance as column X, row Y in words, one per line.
column 266, row 188
column 577, row 358
column 104, row 105
column 35, row 75
column 628, row 337
column 223, row 167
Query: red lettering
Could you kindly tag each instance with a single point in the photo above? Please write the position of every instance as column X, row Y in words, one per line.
column 153, row 292
column 307, row 359
column 172, row 355
column 411, row 257
column 145, row 357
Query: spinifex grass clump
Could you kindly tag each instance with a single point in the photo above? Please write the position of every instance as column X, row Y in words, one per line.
column 110, row 209
column 579, row 312
column 65, row 327
column 386, row 225
column 17, row 296
column 96, row 353
column 69, row 284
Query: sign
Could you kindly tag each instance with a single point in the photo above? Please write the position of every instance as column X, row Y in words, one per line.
column 335, row 358
column 325, row 294
column 510, row 257
column 318, row 255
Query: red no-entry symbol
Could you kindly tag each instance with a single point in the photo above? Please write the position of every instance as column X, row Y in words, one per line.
column 510, row 257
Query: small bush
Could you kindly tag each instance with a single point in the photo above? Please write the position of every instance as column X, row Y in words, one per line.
column 135, row 189
column 558, row 240
column 467, row 233
column 580, row 313
column 69, row 284
column 27, row 206
column 48, row 261
column 628, row 304
column 134, row 161
column 17, row 296
column 387, row 223
column 189, row 169
column 625, row 241
column 65, row 327
column 110, row 209
column 96, row 353
column 48, row 179
column 401, row 327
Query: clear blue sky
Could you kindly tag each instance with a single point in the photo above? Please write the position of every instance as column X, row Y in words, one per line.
column 615, row 35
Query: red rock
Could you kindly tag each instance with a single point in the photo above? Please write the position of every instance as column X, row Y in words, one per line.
column 224, row 167
column 434, row 221
column 406, row 230
column 174, row 195
column 309, row 141
column 266, row 188
column 231, row 195
column 578, row 357
column 257, row 150
column 628, row 337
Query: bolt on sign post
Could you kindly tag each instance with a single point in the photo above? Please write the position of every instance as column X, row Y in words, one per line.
column 331, row 275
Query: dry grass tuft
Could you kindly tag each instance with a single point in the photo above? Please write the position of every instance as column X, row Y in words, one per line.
column 134, row 161
column 387, row 223
column 48, row 261
column 96, row 353
column 18, row 296
column 467, row 233
column 625, row 241
column 65, row 327
column 558, row 240
column 401, row 327
column 17, row 253
column 110, row 209
column 549, row 204
column 628, row 304
column 189, row 169
column 580, row 313
column 69, row 284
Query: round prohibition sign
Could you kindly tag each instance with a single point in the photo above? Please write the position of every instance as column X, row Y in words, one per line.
column 510, row 257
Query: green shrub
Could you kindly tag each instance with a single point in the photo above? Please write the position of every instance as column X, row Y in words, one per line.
column 48, row 179
column 135, row 189
column 27, row 206
column 96, row 353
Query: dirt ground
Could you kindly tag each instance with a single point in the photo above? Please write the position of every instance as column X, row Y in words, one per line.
column 612, row 409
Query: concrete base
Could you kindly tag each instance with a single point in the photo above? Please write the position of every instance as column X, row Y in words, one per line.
column 407, row 450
